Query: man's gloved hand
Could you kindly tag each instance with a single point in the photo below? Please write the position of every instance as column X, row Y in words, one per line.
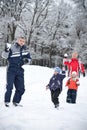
column 25, row 60
column 7, row 47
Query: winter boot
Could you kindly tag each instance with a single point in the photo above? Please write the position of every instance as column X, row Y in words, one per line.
column 56, row 105
column 7, row 104
column 17, row 104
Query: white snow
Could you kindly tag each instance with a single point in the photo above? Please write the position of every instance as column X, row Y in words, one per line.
column 38, row 112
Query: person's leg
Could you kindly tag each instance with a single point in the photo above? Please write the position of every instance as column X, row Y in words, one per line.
column 55, row 97
column 74, row 94
column 9, row 86
column 20, row 88
column 52, row 96
column 69, row 96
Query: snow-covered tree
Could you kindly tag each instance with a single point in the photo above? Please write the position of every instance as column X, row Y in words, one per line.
column 57, row 31
column 10, row 11
column 51, row 27
column 80, row 25
column 10, row 14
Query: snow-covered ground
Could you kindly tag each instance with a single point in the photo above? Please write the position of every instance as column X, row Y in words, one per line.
column 38, row 112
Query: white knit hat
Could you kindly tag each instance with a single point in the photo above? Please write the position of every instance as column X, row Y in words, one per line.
column 74, row 73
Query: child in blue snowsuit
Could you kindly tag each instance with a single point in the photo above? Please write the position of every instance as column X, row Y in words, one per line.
column 55, row 85
column 16, row 55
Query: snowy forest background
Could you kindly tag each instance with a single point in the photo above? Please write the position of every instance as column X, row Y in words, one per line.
column 51, row 27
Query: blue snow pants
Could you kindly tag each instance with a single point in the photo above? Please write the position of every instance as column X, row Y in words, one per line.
column 15, row 77
column 71, row 96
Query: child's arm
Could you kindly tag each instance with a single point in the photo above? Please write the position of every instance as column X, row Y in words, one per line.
column 47, row 86
column 67, row 83
column 77, row 82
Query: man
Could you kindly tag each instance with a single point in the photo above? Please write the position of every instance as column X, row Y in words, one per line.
column 17, row 55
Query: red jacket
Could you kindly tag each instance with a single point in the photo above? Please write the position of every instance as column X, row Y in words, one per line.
column 73, row 65
column 72, row 84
